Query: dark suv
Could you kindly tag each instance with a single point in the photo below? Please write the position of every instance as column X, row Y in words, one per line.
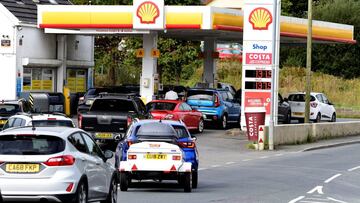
column 10, row 108
column 218, row 105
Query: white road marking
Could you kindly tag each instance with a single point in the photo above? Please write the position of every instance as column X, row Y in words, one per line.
column 279, row 154
column 246, row 159
column 353, row 169
column 317, row 189
column 228, row 163
column 264, row 157
column 201, row 169
column 215, row 166
column 310, row 201
column 332, row 178
column 335, row 200
column 297, row 199
column 321, row 199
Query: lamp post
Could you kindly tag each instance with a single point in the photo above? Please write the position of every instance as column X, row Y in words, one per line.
column 308, row 63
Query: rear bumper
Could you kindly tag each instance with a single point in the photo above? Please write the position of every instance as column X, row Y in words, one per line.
column 128, row 166
column 38, row 198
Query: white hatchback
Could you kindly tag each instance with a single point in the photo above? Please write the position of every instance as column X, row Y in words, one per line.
column 321, row 109
column 50, row 164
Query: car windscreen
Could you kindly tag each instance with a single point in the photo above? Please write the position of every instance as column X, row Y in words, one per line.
column 113, row 105
column 52, row 123
column 9, row 109
column 161, row 106
column 299, row 98
column 200, row 95
column 181, row 131
column 30, row 145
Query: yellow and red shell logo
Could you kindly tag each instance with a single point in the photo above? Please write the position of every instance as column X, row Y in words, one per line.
column 148, row 12
column 260, row 18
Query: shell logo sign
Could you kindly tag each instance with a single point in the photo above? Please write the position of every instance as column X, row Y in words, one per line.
column 148, row 12
column 260, row 18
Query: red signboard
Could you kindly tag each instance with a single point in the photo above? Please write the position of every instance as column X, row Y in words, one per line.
column 259, row 58
column 258, row 99
column 253, row 121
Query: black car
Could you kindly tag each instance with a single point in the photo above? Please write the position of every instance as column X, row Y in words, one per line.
column 284, row 110
column 89, row 97
column 110, row 116
column 10, row 108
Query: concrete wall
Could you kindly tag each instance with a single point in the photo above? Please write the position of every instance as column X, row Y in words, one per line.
column 302, row 133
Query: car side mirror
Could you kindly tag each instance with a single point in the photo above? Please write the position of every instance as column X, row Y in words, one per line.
column 108, row 154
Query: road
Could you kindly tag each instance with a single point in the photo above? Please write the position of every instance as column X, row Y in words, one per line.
column 230, row 173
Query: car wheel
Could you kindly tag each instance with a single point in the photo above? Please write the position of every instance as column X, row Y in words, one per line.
column 223, row 122
column 318, row 118
column 187, row 182
column 124, row 182
column 112, row 196
column 201, row 126
column 81, row 193
column 333, row 118
column 195, row 179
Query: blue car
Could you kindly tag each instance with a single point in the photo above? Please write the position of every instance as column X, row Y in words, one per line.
column 184, row 140
column 218, row 105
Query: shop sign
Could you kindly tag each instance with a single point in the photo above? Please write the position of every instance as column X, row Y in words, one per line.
column 5, row 43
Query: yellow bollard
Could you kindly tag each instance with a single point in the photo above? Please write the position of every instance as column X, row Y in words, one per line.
column 66, row 93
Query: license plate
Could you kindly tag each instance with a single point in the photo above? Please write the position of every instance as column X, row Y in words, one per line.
column 104, row 135
column 22, row 168
column 2, row 122
column 298, row 114
column 156, row 156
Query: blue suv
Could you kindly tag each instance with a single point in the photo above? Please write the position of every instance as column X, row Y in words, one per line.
column 184, row 140
column 217, row 105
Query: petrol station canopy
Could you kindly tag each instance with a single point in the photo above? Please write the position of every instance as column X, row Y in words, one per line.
column 180, row 22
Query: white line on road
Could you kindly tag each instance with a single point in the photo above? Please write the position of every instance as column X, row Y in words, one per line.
column 312, row 198
column 317, row 189
column 335, row 200
column 228, row 163
column 264, row 157
column 332, row 178
column 297, row 199
column 279, row 154
column 215, row 166
column 201, row 169
column 246, row 159
column 353, row 169
column 310, row 201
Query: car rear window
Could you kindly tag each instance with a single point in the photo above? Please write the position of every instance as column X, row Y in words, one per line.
column 200, row 95
column 299, row 98
column 9, row 109
column 52, row 123
column 30, row 145
column 181, row 131
column 161, row 106
column 113, row 105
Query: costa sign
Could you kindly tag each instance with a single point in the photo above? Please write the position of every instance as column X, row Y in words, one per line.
column 148, row 14
column 259, row 58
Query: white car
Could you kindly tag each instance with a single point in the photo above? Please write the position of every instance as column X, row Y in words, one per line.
column 321, row 109
column 38, row 120
column 50, row 164
column 155, row 161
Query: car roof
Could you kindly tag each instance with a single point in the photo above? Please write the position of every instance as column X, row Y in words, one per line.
column 170, row 122
column 41, row 116
column 58, row 131
column 167, row 101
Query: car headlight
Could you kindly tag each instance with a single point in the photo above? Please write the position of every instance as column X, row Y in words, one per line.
column 169, row 116
column 89, row 102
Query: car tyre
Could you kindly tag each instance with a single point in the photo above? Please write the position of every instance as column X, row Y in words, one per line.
column 195, row 179
column 81, row 193
column 333, row 118
column 223, row 122
column 318, row 118
column 187, row 182
column 201, row 126
column 124, row 182
column 112, row 196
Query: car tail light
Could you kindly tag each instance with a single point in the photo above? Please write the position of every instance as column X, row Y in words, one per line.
column 129, row 121
column 313, row 104
column 80, row 121
column 132, row 156
column 70, row 187
column 217, row 101
column 52, row 119
column 130, row 143
column 81, row 99
column 176, row 157
column 1, row 162
column 187, row 144
column 169, row 116
column 66, row 160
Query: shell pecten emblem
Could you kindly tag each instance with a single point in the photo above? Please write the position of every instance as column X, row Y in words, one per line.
column 260, row 18
column 148, row 12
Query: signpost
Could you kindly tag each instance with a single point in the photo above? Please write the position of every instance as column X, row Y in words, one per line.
column 260, row 51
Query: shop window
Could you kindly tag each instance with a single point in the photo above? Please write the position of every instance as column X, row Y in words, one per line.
column 38, row 80
column 76, row 80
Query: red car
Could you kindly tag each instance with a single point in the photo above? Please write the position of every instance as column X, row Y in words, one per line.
column 177, row 110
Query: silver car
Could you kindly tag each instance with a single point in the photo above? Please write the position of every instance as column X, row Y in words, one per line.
column 55, row 165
